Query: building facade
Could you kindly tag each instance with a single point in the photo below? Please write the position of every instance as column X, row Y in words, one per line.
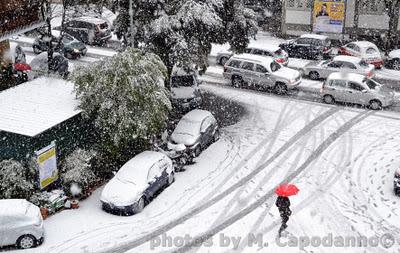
column 360, row 17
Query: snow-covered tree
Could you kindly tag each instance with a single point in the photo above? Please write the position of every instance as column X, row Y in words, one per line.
column 77, row 169
column 15, row 180
column 124, row 96
column 181, row 32
column 392, row 8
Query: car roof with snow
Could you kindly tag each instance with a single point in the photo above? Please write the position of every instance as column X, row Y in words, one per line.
column 267, row 47
column 93, row 20
column 13, row 207
column 139, row 165
column 347, row 58
column 196, row 115
column 266, row 61
column 314, row 36
column 364, row 44
column 36, row 106
column 347, row 76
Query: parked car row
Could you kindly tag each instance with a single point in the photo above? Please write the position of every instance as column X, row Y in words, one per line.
column 145, row 175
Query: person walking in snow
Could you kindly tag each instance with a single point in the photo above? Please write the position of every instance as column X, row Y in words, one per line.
column 283, row 204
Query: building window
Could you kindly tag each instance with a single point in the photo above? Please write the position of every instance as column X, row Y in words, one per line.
column 374, row 7
column 299, row 4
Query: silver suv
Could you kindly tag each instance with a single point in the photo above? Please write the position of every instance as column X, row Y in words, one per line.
column 262, row 72
column 356, row 89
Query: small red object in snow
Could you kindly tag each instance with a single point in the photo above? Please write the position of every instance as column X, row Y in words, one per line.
column 22, row 67
column 286, row 190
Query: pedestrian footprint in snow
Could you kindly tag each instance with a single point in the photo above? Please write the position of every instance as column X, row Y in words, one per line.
column 283, row 203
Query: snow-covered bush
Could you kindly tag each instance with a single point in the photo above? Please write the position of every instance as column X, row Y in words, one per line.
column 15, row 180
column 77, row 172
column 125, row 97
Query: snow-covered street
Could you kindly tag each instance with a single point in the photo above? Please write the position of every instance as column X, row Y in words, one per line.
column 342, row 159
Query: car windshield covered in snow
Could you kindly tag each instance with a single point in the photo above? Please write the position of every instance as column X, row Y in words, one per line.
column 187, row 127
column 275, row 66
column 185, row 81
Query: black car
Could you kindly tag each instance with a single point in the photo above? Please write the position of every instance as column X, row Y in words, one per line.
column 89, row 30
column 309, row 46
column 70, row 47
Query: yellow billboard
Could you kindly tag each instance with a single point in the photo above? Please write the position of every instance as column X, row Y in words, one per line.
column 329, row 16
column 46, row 159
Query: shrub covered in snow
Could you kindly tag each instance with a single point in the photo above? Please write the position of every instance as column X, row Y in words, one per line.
column 125, row 97
column 77, row 173
column 16, row 181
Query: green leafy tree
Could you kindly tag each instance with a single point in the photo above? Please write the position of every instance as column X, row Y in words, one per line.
column 125, row 97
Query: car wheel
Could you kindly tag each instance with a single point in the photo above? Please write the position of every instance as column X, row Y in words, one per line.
column 197, row 151
column 375, row 105
column 216, row 136
column 329, row 99
column 140, row 205
column 26, row 242
column 280, row 89
column 223, row 60
column 36, row 50
column 171, row 178
column 396, row 64
column 237, row 81
column 314, row 75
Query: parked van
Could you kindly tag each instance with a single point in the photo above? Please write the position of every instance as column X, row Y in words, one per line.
column 21, row 224
column 259, row 71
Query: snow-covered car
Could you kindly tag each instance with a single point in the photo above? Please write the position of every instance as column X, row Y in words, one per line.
column 365, row 50
column 70, row 47
column 341, row 63
column 89, row 30
column 259, row 71
column 393, row 59
column 137, row 182
column 309, row 46
column 196, row 130
column 266, row 50
column 397, row 182
column 21, row 224
column 58, row 66
column 185, row 92
column 356, row 89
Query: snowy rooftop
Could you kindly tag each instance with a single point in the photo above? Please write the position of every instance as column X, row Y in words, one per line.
column 33, row 107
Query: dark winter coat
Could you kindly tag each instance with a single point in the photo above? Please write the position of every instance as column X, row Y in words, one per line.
column 282, row 202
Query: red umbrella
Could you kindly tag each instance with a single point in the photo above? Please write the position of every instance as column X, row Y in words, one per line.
column 22, row 67
column 286, row 190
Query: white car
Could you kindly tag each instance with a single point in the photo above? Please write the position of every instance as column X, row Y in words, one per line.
column 341, row 63
column 21, row 224
column 365, row 50
column 137, row 182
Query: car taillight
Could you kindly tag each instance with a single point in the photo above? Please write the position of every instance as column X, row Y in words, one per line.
column 369, row 74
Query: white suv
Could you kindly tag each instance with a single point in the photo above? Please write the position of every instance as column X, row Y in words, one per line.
column 21, row 224
column 263, row 72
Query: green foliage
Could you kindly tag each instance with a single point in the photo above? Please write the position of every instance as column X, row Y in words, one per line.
column 16, row 181
column 125, row 97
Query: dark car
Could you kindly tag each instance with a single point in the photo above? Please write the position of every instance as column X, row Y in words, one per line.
column 309, row 46
column 196, row 130
column 69, row 46
column 89, row 30
column 137, row 182
column 40, row 66
column 397, row 182
column 185, row 92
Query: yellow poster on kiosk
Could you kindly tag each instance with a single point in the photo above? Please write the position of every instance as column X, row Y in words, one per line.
column 329, row 16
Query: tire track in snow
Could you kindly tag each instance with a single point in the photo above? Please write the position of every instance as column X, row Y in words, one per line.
column 139, row 241
column 321, row 148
